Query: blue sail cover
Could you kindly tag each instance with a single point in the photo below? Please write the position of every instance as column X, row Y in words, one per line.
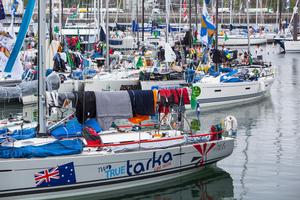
column 21, row 36
column 21, row 134
column 57, row 148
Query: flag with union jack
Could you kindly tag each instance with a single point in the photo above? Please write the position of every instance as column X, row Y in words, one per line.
column 60, row 175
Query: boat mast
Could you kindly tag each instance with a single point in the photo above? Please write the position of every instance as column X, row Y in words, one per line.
column 95, row 19
column 248, row 35
column 107, row 36
column 277, row 12
column 196, row 16
column 241, row 7
column 50, row 17
column 137, row 19
column 180, row 13
column 256, row 13
column 261, row 12
column 143, row 19
column 296, row 21
column 230, row 17
column 217, row 13
column 280, row 10
column 190, row 23
column 42, row 131
column 222, row 14
column 60, row 19
column 98, row 20
column 167, row 19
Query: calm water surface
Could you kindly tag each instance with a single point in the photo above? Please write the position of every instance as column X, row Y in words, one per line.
column 265, row 163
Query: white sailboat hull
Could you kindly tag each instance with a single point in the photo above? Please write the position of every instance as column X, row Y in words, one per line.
column 148, row 85
column 111, row 85
column 292, row 46
column 216, row 95
column 109, row 173
column 241, row 41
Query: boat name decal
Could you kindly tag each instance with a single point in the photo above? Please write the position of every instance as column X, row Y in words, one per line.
column 156, row 162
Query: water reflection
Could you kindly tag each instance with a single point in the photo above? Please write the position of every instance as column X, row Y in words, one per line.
column 245, row 114
column 212, row 183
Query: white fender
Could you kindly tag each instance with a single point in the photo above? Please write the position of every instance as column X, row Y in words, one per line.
column 262, row 86
column 230, row 125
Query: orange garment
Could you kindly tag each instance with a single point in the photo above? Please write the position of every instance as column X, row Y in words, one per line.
column 138, row 119
column 155, row 92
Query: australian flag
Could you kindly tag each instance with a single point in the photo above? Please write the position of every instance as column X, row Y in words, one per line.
column 60, row 175
column 2, row 13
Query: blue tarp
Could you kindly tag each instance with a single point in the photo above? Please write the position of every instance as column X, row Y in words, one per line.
column 71, row 129
column 212, row 71
column 227, row 78
column 22, row 134
column 78, row 73
column 57, row 148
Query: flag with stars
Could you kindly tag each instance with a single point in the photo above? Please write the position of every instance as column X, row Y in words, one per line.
column 60, row 175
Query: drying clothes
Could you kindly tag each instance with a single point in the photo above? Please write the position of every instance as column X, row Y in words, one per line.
column 166, row 100
column 138, row 119
column 171, row 97
column 63, row 56
column 180, row 96
column 155, row 96
column 112, row 106
column 142, row 102
column 86, row 105
column 59, row 63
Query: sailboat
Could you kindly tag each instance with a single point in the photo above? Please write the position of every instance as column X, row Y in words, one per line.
column 290, row 43
column 248, row 82
column 105, row 162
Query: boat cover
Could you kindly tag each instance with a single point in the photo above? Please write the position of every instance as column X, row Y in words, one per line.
column 230, row 77
column 71, row 129
column 29, row 88
column 21, row 134
column 56, row 148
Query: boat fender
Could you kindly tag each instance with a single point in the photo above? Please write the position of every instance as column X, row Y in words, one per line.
column 230, row 125
column 262, row 86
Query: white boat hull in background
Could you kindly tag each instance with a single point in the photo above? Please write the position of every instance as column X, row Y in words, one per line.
column 148, row 85
column 217, row 95
column 240, row 41
column 292, row 46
